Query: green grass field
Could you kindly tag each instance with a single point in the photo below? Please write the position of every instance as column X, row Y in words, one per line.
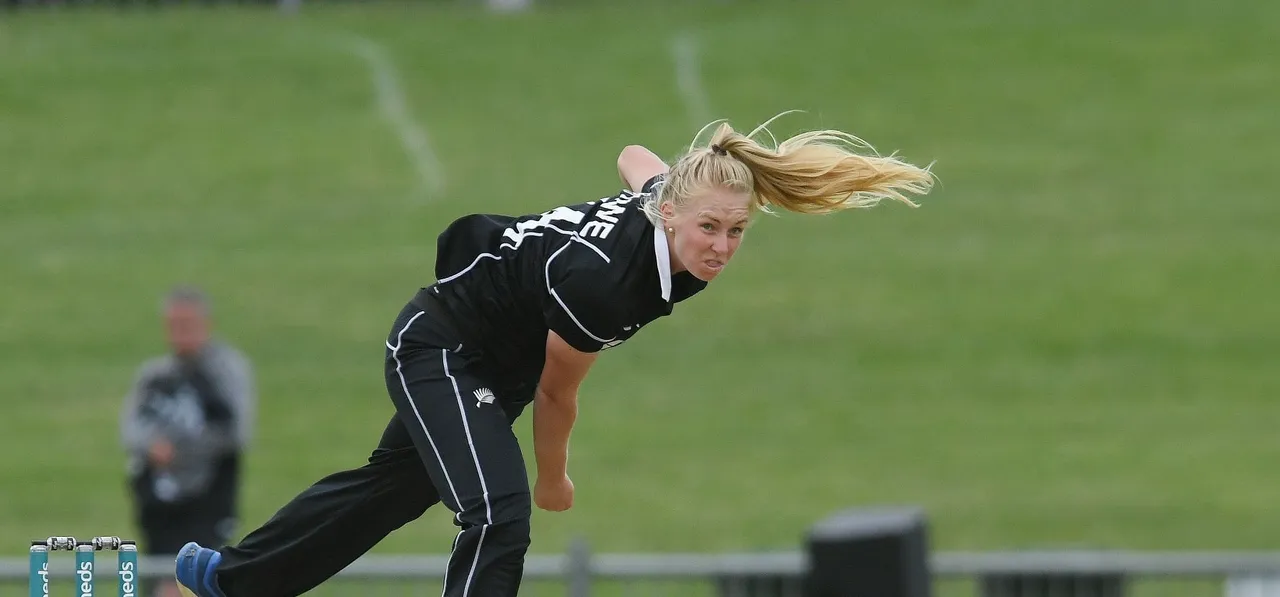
column 1073, row 343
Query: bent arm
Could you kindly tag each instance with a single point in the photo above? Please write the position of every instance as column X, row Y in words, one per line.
column 636, row 165
column 556, row 405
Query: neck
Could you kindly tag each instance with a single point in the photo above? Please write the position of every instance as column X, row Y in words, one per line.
column 676, row 266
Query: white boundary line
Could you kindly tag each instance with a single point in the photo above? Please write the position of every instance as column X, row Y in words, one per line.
column 391, row 100
column 684, row 55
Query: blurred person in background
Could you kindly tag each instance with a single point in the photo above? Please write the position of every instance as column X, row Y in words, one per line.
column 184, row 425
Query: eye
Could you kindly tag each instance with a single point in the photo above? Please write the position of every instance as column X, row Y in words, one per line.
column 735, row 231
column 707, row 226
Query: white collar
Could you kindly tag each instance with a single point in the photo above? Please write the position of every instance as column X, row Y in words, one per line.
column 663, row 255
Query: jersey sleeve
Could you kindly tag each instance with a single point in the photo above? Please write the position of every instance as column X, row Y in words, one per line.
column 651, row 186
column 579, row 308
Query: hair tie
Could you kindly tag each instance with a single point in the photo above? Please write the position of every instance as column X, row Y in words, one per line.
column 716, row 149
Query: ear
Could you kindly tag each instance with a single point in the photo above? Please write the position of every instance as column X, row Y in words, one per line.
column 668, row 211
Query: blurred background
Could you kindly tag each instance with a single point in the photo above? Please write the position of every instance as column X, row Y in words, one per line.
column 1074, row 344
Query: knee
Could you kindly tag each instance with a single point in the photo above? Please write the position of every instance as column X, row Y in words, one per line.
column 512, row 508
column 507, row 513
column 516, row 534
column 511, row 514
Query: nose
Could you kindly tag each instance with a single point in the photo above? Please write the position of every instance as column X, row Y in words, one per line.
column 720, row 244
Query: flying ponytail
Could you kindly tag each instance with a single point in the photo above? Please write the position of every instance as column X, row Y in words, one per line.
column 815, row 172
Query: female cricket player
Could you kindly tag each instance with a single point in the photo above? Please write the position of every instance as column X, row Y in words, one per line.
column 520, row 309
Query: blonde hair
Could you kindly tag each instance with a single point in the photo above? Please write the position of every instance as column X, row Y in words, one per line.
column 815, row 172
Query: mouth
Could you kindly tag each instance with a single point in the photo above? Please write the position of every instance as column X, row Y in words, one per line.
column 714, row 265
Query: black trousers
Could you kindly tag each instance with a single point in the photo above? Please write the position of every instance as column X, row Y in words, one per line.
column 449, row 442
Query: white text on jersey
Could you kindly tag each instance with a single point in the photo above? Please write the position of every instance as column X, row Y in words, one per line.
column 606, row 217
column 530, row 227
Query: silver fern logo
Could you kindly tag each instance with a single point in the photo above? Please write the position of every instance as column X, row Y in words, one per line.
column 483, row 396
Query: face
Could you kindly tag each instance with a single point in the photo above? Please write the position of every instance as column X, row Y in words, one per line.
column 187, row 328
column 706, row 232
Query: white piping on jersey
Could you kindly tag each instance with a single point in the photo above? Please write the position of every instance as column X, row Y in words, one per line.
column 470, row 267
column 664, row 261
column 547, row 275
column 593, row 248
column 515, row 246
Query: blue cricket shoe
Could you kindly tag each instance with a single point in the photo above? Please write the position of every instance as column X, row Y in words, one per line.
column 196, row 569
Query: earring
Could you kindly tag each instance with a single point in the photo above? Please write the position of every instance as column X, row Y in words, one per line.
column 671, row 230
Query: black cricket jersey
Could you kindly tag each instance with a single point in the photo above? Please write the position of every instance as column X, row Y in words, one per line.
column 593, row 272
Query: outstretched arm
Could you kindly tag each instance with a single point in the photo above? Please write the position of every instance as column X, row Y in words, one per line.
column 555, row 409
column 636, row 165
